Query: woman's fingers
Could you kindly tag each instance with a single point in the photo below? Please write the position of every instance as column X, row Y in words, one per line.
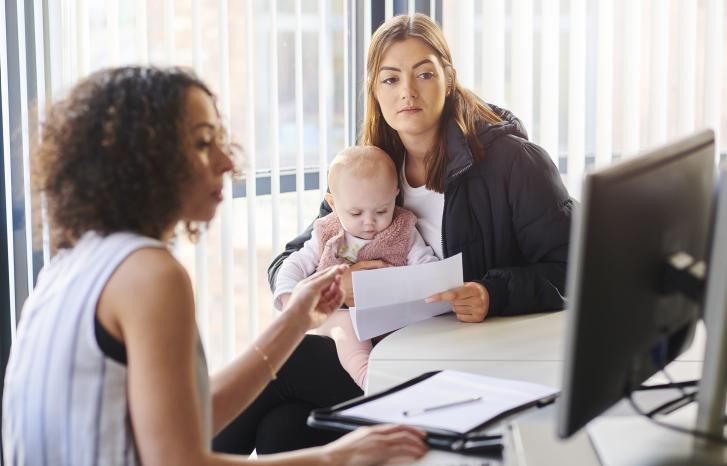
column 402, row 453
column 320, row 292
column 401, row 442
column 470, row 301
column 331, row 301
column 378, row 445
column 469, row 318
column 328, row 284
column 398, row 440
column 327, row 275
column 323, row 278
column 392, row 428
column 327, row 294
column 455, row 294
column 332, row 288
column 405, row 438
column 328, row 299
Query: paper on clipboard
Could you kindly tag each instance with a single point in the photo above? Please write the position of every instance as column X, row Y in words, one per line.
column 488, row 398
column 391, row 298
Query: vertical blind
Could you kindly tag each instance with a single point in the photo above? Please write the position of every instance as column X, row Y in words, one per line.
column 593, row 81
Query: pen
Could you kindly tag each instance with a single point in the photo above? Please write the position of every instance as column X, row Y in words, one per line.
column 414, row 412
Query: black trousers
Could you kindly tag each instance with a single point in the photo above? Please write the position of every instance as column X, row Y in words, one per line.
column 276, row 421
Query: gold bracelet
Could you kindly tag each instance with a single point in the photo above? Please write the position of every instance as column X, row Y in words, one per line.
column 273, row 375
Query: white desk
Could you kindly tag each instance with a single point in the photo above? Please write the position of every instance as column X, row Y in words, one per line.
column 527, row 348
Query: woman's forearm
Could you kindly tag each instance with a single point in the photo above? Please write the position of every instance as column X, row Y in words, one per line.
column 307, row 457
column 237, row 385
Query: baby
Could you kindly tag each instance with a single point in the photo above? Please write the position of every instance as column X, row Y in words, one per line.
column 365, row 225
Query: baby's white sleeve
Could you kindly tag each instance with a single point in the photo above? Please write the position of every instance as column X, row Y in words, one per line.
column 295, row 268
column 419, row 252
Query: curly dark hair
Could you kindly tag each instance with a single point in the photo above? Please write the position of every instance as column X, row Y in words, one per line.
column 112, row 157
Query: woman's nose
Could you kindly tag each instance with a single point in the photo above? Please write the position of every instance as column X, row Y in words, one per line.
column 223, row 161
column 407, row 90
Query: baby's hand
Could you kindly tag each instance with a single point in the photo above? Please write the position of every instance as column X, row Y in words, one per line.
column 347, row 284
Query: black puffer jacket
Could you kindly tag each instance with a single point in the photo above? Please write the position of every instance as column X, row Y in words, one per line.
column 508, row 214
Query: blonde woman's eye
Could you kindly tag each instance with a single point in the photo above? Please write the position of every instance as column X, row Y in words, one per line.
column 390, row 80
column 427, row 75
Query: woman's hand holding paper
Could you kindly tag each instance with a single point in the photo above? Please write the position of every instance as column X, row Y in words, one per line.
column 471, row 301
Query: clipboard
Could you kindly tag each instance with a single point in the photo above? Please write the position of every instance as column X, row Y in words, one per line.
column 474, row 441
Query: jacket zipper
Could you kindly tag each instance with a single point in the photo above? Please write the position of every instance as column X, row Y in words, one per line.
column 444, row 209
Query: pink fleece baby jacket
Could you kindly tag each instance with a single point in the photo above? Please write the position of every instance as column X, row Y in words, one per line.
column 390, row 245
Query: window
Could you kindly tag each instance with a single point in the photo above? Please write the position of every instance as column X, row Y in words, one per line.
column 593, row 81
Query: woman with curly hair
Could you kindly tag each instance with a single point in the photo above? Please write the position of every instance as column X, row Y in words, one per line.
column 107, row 366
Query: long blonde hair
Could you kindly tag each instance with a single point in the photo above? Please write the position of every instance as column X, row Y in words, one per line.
column 460, row 104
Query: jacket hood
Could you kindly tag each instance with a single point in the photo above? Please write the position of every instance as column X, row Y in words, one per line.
column 460, row 154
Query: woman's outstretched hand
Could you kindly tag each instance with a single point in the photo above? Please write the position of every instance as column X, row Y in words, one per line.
column 383, row 444
column 318, row 295
column 346, row 282
column 471, row 301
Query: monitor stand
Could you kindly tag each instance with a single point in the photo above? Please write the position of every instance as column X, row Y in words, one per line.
column 636, row 441
column 713, row 385
column 532, row 441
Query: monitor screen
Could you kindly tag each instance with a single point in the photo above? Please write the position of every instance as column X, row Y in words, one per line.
column 622, row 326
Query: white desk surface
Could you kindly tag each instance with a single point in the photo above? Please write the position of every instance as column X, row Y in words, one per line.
column 529, row 348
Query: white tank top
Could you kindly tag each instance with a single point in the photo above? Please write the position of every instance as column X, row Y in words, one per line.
column 428, row 206
column 65, row 402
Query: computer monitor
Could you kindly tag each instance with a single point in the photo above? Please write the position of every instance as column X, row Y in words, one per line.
column 623, row 324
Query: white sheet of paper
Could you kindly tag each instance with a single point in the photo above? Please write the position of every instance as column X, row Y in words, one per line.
column 391, row 298
column 497, row 396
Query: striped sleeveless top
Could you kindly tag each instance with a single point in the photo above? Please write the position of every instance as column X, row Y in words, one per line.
column 65, row 402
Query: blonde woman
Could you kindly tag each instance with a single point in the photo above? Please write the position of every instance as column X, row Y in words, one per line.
column 477, row 186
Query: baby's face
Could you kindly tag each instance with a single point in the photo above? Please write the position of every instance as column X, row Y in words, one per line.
column 365, row 206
